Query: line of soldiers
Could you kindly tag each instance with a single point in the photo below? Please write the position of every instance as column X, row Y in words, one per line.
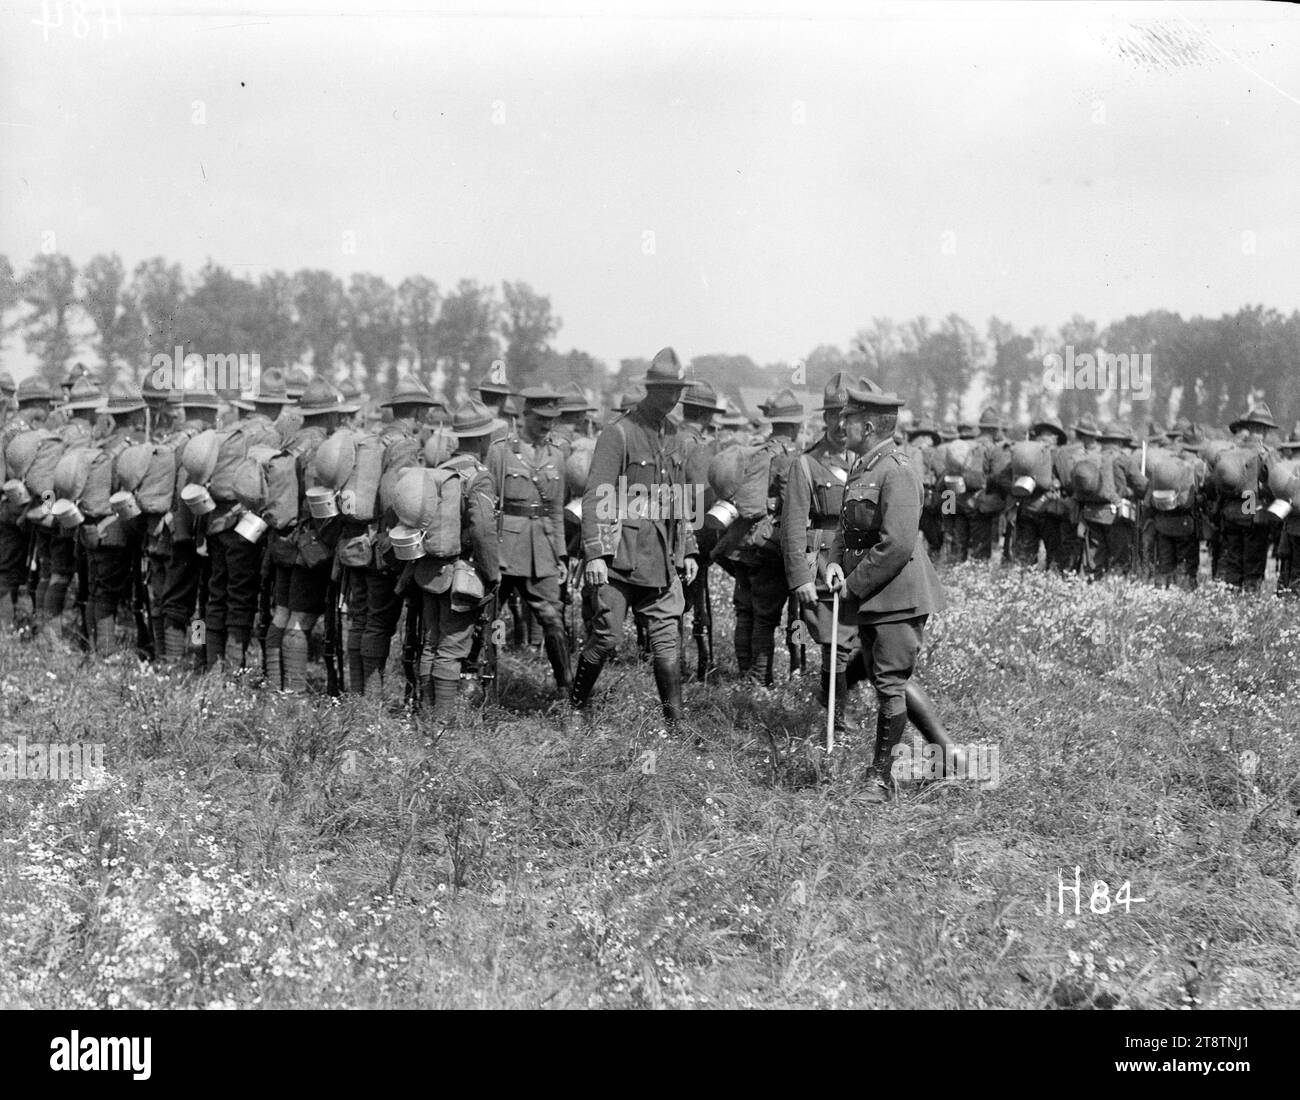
column 1096, row 499
column 226, row 537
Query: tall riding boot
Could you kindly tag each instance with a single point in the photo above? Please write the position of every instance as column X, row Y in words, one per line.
column 668, row 679
column 584, row 680
column 856, row 669
column 889, row 732
column 921, row 713
column 557, row 651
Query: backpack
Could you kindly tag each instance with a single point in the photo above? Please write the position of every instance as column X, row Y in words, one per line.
column 352, row 463
column 956, row 453
column 577, row 467
column 266, row 483
column 1284, row 480
column 972, row 470
column 1173, row 483
column 232, row 447
column 148, row 471
column 429, row 499
column 84, row 476
column 1093, row 478
column 999, row 477
column 731, row 475
column 32, row 456
column 1237, row 472
column 1031, row 463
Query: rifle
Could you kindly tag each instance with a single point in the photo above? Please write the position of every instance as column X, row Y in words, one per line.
column 82, row 599
column 145, row 641
column 412, row 645
column 333, row 652
column 487, row 650
column 798, row 652
column 706, row 604
column 566, row 603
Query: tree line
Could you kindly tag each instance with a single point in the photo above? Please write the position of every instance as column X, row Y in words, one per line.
column 1207, row 369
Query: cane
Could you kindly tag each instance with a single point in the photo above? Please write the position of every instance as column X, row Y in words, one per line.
column 830, row 679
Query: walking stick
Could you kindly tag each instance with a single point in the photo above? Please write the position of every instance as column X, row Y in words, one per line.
column 830, row 693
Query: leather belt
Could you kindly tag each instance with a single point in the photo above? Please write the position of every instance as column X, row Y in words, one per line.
column 519, row 508
column 860, row 540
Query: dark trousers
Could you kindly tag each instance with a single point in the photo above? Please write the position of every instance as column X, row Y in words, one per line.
column 1034, row 530
column 233, row 585
column 374, row 608
column 760, row 598
column 658, row 608
column 983, row 533
column 1288, row 564
column 956, row 537
column 13, row 557
column 1177, row 559
column 891, row 650
column 184, row 573
column 1108, row 548
column 1245, row 554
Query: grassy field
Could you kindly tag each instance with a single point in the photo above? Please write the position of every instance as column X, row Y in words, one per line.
column 253, row 850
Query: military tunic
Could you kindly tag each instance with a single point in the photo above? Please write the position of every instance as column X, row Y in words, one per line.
column 891, row 586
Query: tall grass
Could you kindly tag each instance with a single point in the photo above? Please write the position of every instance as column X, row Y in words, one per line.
column 253, row 850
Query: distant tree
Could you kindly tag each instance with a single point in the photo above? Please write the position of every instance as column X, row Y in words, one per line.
column 320, row 304
column 11, row 295
column 527, row 327
column 374, row 327
column 417, row 305
column 158, row 290
column 50, row 289
column 279, row 334
column 1013, row 369
column 465, row 332
column 107, row 300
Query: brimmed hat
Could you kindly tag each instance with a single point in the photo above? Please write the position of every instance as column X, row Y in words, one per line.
column 84, row 395
column 925, row 426
column 408, row 391
column 1115, row 431
column 296, row 383
column 34, row 388
column 472, row 419
column 991, row 418
column 1052, row 423
column 7, row 384
column 868, row 397
column 574, row 399
column 272, row 389
column 77, row 371
column 1156, row 435
column 504, row 388
column 1259, row 414
column 124, row 397
column 199, row 399
column 320, row 398
column 967, row 429
column 835, row 392
column 151, row 391
column 783, row 408
column 701, row 395
column 542, row 401
column 731, row 416
column 350, row 390
column 948, row 431
column 1087, row 425
column 666, row 370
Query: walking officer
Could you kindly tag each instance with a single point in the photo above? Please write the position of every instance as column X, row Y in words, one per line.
column 879, row 565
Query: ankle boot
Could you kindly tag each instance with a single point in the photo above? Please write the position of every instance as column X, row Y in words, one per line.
column 921, row 713
column 668, row 679
column 584, row 680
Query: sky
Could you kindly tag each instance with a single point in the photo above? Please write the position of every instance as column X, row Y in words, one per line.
column 752, row 178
